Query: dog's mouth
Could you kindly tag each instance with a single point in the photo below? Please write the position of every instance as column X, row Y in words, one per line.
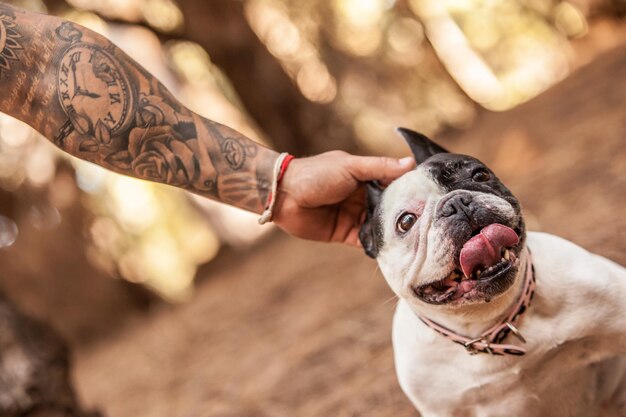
column 490, row 256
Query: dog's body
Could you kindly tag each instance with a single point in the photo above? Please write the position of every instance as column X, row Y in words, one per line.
column 451, row 242
column 575, row 331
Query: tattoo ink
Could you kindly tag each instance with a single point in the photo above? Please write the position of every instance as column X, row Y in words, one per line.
column 94, row 91
column 9, row 41
column 235, row 151
column 96, row 103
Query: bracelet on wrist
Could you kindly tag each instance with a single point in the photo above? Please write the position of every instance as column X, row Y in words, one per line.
column 280, row 167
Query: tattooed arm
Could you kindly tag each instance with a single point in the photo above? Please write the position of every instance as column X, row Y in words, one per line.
column 94, row 102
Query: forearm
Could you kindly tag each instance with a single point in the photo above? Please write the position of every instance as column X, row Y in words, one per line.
column 94, row 102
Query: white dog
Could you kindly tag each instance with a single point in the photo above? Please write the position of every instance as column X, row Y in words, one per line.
column 493, row 321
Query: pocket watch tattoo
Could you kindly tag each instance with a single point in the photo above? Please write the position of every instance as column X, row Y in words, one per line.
column 95, row 93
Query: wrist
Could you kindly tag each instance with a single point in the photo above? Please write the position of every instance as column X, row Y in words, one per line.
column 280, row 168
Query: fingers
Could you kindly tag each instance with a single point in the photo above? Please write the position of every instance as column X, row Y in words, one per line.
column 369, row 168
column 352, row 239
column 351, row 236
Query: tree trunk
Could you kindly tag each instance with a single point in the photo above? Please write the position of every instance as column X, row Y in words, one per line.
column 292, row 123
column 34, row 369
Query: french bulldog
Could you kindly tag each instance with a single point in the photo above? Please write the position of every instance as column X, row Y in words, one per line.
column 492, row 320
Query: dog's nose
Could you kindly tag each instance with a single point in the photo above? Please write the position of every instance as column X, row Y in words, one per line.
column 457, row 205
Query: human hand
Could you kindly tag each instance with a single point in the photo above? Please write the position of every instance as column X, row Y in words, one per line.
column 323, row 197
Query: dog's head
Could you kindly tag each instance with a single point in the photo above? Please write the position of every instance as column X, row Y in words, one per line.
column 448, row 233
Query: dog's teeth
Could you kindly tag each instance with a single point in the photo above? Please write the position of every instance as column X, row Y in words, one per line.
column 507, row 255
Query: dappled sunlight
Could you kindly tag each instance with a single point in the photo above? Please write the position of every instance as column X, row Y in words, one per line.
column 133, row 203
column 452, row 46
column 405, row 38
column 296, row 52
column 162, row 15
column 151, row 234
column 378, row 64
column 358, row 25
column 16, row 139
column 205, row 89
column 40, row 165
column 143, row 232
column 500, row 53
column 89, row 20
column 316, row 83
column 570, row 20
column 173, row 303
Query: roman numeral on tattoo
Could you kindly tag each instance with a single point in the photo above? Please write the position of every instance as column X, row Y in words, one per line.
column 65, row 70
column 64, row 132
column 115, row 98
column 111, row 83
column 65, row 95
column 63, row 81
column 75, row 57
column 109, row 118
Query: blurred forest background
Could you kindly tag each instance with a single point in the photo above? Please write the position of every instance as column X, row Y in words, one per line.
column 173, row 305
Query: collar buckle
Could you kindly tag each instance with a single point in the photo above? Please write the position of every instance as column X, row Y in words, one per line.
column 515, row 332
column 469, row 346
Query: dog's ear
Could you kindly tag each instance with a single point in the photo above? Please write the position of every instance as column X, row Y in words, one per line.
column 370, row 234
column 422, row 147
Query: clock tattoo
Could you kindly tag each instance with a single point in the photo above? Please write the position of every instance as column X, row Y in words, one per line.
column 95, row 93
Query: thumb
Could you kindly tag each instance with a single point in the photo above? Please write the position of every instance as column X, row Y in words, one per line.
column 369, row 168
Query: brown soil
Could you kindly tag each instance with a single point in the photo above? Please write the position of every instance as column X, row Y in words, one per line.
column 296, row 328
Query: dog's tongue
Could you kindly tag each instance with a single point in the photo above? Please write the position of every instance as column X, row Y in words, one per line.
column 484, row 249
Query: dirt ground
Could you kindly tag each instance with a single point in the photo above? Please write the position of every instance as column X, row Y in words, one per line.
column 295, row 328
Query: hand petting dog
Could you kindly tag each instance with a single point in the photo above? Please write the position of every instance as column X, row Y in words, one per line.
column 323, row 197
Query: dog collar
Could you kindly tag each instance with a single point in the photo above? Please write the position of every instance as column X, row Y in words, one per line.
column 491, row 341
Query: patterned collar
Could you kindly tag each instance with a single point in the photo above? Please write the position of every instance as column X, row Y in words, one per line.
column 490, row 341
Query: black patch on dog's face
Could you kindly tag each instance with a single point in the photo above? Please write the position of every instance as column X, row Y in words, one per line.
column 462, row 172
column 456, row 172
column 371, row 233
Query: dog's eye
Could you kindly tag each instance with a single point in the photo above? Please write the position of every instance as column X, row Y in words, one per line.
column 406, row 221
column 481, row 176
